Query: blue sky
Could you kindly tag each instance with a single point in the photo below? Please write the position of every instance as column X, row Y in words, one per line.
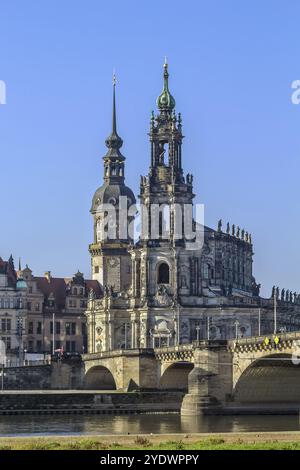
column 231, row 67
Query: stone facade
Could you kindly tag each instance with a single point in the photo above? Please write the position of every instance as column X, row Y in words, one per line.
column 28, row 305
column 165, row 288
column 63, row 300
column 12, row 311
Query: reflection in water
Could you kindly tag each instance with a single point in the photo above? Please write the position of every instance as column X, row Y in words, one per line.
column 142, row 424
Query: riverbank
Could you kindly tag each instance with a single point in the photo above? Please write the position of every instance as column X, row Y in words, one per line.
column 220, row 441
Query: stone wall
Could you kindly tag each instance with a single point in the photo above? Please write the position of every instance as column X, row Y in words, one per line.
column 75, row 402
column 57, row 376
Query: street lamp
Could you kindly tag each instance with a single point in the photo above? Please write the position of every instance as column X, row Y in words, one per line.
column 2, row 378
column 25, row 352
column 275, row 313
column 198, row 332
column 236, row 323
column 208, row 328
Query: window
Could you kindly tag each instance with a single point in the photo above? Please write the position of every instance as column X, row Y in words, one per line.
column 75, row 291
column 39, row 328
column 70, row 346
column 30, row 346
column 7, row 341
column 73, row 328
column 5, row 324
column 29, row 306
column 57, row 345
column 30, row 328
column 39, row 345
column 51, row 328
column 96, row 269
column 68, row 329
column 57, row 328
column 163, row 274
column 83, row 329
column 37, row 307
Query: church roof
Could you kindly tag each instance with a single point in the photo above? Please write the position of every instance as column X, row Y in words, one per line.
column 110, row 193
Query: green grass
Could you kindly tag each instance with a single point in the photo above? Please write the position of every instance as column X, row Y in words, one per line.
column 144, row 444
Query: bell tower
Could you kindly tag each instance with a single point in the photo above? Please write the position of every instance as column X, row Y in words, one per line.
column 165, row 186
column 113, row 213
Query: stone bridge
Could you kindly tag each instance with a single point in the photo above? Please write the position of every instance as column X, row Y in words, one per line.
column 215, row 373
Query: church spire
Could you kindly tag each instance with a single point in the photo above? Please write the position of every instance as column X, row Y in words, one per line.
column 114, row 160
column 114, row 141
column 165, row 101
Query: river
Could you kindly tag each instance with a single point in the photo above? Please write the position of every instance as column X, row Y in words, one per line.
column 141, row 424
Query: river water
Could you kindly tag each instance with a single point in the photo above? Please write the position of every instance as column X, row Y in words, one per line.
column 141, row 424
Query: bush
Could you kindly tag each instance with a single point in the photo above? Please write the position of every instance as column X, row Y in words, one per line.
column 142, row 441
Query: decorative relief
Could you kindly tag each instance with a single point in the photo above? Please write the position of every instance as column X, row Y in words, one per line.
column 163, row 297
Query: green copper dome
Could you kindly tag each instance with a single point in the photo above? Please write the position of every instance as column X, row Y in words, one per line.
column 165, row 101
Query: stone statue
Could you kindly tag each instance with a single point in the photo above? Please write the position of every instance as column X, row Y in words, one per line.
column 228, row 228
column 220, row 225
column 243, row 234
column 282, row 294
column 277, row 293
column 238, row 232
column 255, row 288
column 233, row 230
column 273, row 292
column 287, row 296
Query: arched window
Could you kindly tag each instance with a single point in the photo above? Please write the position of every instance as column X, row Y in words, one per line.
column 163, row 274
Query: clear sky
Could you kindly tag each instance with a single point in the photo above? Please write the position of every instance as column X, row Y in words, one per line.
column 231, row 67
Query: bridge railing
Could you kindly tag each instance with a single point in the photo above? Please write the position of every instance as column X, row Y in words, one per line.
column 260, row 339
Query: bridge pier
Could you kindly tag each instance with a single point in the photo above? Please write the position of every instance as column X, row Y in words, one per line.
column 210, row 381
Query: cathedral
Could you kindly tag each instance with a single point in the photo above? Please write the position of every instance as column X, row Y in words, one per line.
column 168, row 286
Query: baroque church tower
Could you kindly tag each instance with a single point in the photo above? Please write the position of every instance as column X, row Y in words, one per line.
column 111, row 264
column 166, row 288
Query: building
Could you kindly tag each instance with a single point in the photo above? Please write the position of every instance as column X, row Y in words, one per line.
column 165, row 288
column 55, row 310
column 12, row 311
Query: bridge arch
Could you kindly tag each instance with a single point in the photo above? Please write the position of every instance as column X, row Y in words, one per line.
column 175, row 376
column 99, row 378
column 272, row 378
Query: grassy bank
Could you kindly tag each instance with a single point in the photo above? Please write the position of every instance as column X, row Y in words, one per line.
column 247, row 441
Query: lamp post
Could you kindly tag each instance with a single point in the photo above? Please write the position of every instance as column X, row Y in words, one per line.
column 2, row 378
column 236, row 323
column 53, row 333
column 275, row 313
column 198, row 332
column 208, row 328
column 25, row 352
column 259, row 322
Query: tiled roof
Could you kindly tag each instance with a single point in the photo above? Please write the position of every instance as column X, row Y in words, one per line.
column 60, row 286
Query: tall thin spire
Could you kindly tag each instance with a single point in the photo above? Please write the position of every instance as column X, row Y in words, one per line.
column 114, row 118
column 114, row 141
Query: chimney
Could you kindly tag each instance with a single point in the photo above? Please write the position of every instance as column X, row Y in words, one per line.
column 48, row 276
